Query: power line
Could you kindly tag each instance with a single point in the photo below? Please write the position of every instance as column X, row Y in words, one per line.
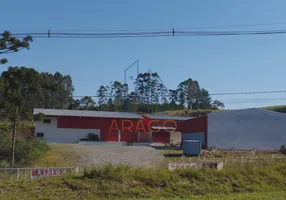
column 213, row 94
column 172, row 33
column 248, row 93
column 233, row 26
column 156, row 29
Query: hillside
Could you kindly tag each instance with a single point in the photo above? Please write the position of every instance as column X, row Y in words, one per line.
column 197, row 113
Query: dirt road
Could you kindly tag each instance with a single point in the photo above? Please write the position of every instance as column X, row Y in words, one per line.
column 87, row 155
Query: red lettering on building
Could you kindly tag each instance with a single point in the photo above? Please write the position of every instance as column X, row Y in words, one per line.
column 140, row 126
column 113, row 126
column 150, row 127
column 172, row 121
column 124, row 127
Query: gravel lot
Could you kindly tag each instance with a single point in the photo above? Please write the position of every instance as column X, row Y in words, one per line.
column 88, row 155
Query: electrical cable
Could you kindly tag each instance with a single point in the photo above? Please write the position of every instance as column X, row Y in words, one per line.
column 172, row 33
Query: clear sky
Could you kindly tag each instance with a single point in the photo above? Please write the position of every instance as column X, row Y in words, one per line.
column 220, row 64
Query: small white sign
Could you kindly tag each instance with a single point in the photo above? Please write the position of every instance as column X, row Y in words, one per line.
column 176, row 165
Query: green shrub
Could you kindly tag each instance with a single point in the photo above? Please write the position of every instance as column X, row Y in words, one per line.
column 107, row 172
column 4, row 164
column 282, row 149
column 26, row 151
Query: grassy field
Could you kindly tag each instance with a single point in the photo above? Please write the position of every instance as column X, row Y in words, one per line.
column 246, row 175
column 231, row 159
column 125, row 182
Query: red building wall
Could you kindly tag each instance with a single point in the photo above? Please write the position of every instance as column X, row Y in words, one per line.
column 199, row 124
column 108, row 127
column 130, row 127
column 160, row 136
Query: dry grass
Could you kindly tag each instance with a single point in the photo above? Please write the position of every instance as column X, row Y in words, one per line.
column 58, row 156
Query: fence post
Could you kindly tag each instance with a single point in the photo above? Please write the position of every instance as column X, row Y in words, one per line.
column 76, row 170
column 11, row 174
column 25, row 174
column 18, row 173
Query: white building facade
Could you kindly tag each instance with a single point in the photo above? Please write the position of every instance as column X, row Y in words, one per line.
column 48, row 130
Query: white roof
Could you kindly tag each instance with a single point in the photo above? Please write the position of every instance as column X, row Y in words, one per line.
column 86, row 113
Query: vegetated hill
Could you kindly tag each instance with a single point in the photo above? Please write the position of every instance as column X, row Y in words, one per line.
column 200, row 112
column 187, row 112
column 281, row 108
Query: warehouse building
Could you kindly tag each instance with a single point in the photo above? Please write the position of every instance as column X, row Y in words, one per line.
column 68, row 126
column 239, row 129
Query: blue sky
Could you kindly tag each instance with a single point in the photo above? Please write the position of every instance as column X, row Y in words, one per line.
column 220, row 64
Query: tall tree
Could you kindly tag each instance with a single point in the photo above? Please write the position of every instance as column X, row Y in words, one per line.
column 117, row 89
column 10, row 44
column 205, row 100
column 87, row 103
column 217, row 104
column 43, row 90
column 75, row 104
column 13, row 103
column 102, row 94
column 163, row 93
column 181, row 91
column 154, row 88
column 173, row 96
column 125, row 89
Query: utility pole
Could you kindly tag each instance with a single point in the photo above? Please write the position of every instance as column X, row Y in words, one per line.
column 14, row 137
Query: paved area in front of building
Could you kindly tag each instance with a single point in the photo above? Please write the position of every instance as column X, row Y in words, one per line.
column 88, row 155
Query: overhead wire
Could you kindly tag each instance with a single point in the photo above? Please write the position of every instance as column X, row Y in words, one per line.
column 171, row 33
column 247, row 93
column 221, row 93
column 156, row 29
column 233, row 26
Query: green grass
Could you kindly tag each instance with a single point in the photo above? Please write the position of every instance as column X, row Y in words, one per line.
column 125, row 182
column 230, row 158
column 58, row 156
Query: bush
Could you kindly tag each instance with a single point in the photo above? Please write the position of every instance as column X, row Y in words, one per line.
column 107, row 172
column 26, row 151
column 4, row 164
column 282, row 149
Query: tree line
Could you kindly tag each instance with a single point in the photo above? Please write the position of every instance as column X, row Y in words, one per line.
column 26, row 88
